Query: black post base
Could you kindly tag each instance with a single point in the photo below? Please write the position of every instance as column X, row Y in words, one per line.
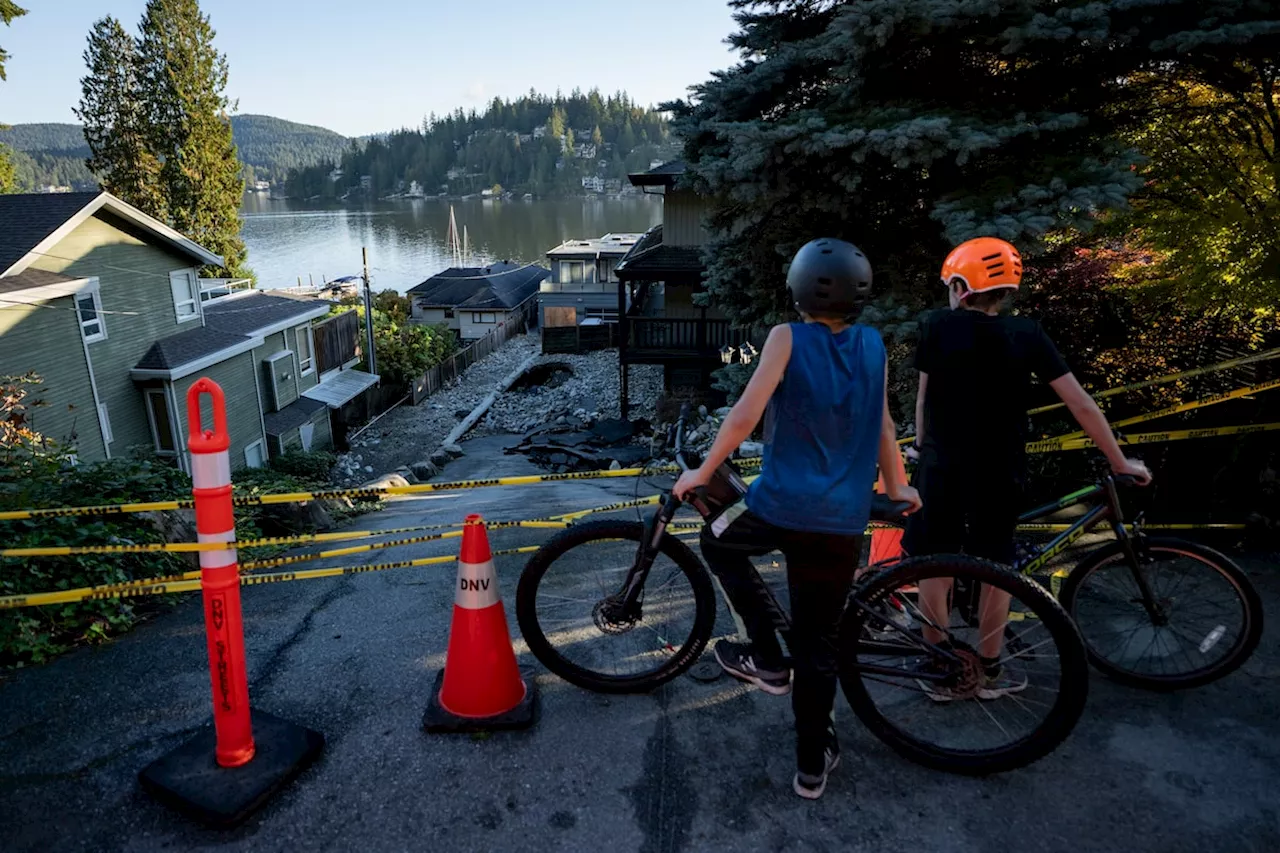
column 438, row 720
column 189, row 779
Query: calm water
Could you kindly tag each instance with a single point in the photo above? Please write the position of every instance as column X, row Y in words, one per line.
column 407, row 239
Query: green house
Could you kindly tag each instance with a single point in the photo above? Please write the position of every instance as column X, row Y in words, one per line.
column 106, row 305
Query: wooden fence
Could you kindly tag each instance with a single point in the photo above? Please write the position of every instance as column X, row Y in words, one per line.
column 517, row 323
column 336, row 340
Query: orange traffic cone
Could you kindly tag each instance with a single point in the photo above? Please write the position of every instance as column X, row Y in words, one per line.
column 480, row 688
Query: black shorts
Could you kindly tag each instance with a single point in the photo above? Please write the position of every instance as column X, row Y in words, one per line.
column 965, row 512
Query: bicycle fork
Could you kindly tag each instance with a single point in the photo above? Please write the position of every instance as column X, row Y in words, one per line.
column 1131, row 546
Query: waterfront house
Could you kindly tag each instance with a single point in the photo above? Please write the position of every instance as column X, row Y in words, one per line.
column 473, row 301
column 106, row 304
column 657, row 280
column 582, row 285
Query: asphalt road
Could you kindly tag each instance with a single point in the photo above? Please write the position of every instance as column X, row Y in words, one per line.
column 693, row 766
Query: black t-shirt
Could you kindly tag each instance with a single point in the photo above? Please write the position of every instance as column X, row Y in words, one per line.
column 980, row 371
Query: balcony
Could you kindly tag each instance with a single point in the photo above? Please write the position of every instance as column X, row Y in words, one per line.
column 660, row 340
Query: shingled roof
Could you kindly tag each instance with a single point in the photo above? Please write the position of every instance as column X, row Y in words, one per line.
column 653, row 260
column 499, row 286
column 185, row 347
column 244, row 315
column 28, row 218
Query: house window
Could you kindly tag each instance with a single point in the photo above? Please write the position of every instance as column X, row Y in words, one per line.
column 105, row 419
column 161, row 422
column 572, row 272
column 608, row 315
column 255, row 455
column 448, row 313
column 480, row 317
column 306, row 363
column 89, row 306
column 604, row 269
column 186, row 295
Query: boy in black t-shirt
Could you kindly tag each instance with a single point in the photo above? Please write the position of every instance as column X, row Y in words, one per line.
column 976, row 369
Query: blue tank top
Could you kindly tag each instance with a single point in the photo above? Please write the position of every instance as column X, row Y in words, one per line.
column 822, row 432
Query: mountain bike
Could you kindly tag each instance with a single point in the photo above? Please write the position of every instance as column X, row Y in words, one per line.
column 1155, row 612
column 620, row 606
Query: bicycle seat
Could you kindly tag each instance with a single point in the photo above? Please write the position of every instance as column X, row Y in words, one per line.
column 883, row 509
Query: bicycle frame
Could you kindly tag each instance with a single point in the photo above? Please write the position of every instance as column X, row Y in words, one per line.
column 1107, row 510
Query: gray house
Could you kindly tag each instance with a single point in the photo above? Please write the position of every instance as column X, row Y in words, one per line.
column 474, row 301
column 582, row 279
column 105, row 303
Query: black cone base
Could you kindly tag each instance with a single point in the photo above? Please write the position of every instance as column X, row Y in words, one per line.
column 522, row 716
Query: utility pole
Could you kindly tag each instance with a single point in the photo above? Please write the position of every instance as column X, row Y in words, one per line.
column 368, row 312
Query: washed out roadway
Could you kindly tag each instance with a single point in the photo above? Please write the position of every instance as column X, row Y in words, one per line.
column 693, row 766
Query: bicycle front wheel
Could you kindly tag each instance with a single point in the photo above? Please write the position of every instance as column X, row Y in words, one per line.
column 957, row 693
column 1207, row 620
column 567, row 607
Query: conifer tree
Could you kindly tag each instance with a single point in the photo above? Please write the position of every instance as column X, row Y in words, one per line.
column 183, row 80
column 115, row 120
column 8, row 11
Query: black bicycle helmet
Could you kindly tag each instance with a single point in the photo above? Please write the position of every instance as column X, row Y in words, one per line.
column 829, row 276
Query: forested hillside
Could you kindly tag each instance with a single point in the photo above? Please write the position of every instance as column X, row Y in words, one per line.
column 539, row 144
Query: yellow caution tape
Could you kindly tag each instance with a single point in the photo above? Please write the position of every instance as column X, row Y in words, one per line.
column 166, row 586
column 1055, row 444
column 1201, row 403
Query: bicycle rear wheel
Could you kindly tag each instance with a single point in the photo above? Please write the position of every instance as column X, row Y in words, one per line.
column 940, row 706
column 566, row 599
column 1209, row 623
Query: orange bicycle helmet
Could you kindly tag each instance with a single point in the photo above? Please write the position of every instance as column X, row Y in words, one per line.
column 983, row 264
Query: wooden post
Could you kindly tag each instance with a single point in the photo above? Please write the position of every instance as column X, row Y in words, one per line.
column 622, row 348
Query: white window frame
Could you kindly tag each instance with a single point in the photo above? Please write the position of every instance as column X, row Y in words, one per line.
column 193, row 291
column 478, row 318
column 261, row 447
column 151, row 419
column 606, row 265
column 308, row 366
column 94, row 293
column 104, row 418
column 566, row 272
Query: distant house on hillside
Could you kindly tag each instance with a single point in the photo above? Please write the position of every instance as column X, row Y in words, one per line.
column 474, row 300
column 89, row 269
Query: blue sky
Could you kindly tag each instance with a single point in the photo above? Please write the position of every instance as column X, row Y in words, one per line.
column 373, row 65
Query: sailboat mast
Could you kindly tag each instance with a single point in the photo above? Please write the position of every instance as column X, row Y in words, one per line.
column 466, row 247
column 453, row 239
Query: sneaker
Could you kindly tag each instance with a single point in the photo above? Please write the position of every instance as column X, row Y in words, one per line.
column 738, row 660
column 939, row 691
column 812, row 787
column 1001, row 682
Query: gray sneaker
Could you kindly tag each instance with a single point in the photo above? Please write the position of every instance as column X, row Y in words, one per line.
column 1001, row 682
column 812, row 787
column 738, row 660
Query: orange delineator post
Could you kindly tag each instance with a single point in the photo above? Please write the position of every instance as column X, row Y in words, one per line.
column 886, row 542
column 220, row 576
column 245, row 771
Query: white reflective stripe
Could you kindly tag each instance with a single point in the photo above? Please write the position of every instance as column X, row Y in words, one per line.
column 477, row 586
column 210, row 470
column 217, row 559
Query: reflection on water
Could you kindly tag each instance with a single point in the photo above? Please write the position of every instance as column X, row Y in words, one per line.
column 407, row 239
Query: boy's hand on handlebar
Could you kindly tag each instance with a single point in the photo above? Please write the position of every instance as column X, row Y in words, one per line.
column 905, row 494
column 692, row 479
column 1134, row 468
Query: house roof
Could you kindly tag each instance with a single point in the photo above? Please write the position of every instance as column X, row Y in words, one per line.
column 256, row 312
column 185, row 347
column 608, row 245
column 27, row 219
column 340, row 389
column 662, row 176
column 32, row 223
column 291, row 416
column 653, row 260
column 498, row 286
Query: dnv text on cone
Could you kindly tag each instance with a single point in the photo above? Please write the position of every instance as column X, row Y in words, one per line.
column 480, row 688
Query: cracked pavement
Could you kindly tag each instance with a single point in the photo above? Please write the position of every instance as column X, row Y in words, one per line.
column 693, row 766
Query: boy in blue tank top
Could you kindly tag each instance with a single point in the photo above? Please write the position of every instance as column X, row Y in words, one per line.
column 827, row 425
